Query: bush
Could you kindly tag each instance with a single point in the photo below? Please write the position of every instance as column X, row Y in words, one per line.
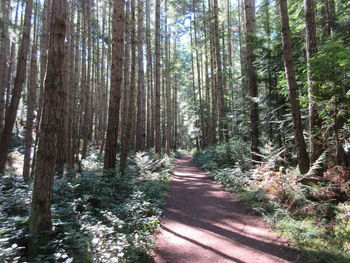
column 96, row 217
column 313, row 216
column 225, row 155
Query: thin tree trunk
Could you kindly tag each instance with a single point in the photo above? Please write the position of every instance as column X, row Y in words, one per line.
column 157, row 87
column 303, row 158
column 315, row 123
column 219, row 82
column 126, row 95
column 213, row 75
column 199, row 83
column 31, row 95
column 4, row 60
column 18, row 86
column 150, row 130
column 167, row 109
column 249, row 6
column 140, row 131
column 129, row 120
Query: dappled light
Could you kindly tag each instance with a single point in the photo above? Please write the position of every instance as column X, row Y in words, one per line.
column 101, row 99
column 204, row 223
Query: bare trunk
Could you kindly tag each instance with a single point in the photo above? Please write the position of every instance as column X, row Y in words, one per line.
column 18, row 86
column 150, row 130
column 303, row 158
column 31, row 95
column 116, row 83
column 4, row 60
column 157, row 87
column 315, row 123
column 249, row 6
column 50, row 127
column 140, row 131
column 129, row 120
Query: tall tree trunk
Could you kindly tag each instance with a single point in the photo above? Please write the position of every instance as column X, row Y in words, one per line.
column 4, row 59
column 150, row 130
column 249, row 7
column 315, row 123
column 140, row 131
column 18, row 86
column 116, row 82
column 84, row 95
column 213, row 75
column 129, row 119
column 31, row 95
column 50, row 127
column 157, row 87
column 126, row 89
column 199, row 83
column 303, row 158
column 44, row 42
column 219, row 82
column 167, row 83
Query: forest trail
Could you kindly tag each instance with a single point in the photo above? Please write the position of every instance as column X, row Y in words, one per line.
column 203, row 223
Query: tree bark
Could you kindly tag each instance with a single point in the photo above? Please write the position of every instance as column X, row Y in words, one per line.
column 315, row 123
column 31, row 95
column 50, row 127
column 303, row 158
column 140, row 131
column 128, row 121
column 219, row 81
column 4, row 60
column 157, row 86
column 250, row 22
column 116, row 82
column 18, row 86
column 150, row 130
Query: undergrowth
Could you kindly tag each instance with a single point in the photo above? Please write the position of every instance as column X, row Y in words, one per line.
column 315, row 217
column 96, row 217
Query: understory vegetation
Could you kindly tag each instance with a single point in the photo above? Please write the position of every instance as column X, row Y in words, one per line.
column 97, row 217
column 314, row 215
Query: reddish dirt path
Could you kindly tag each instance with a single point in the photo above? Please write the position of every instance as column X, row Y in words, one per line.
column 203, row 223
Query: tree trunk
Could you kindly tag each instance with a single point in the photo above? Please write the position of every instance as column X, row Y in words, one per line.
column 116, row 82
column 150, row 130
column 303, row 158
column 219, row 81
column 157, row 87
column 4, row 59
column 18, row 86
column 213, row 76
column 140, row 131
column 315, row 123
column 167, row 83
column 50, row 127
column 128, row 120
column 31, row 95
column 250, row 22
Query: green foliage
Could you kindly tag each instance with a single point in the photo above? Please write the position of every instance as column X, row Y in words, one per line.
column 14, row 202
column 313, row 217
column 235, row 152
column 96, row 217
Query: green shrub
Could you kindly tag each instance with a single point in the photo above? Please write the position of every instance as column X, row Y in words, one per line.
column 96, row 217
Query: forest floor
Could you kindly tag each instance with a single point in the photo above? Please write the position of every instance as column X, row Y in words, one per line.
column 204, row 223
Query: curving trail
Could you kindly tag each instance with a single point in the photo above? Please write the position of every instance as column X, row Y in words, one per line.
column 203, row 223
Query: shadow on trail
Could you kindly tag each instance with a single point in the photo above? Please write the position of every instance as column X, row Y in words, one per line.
column 203, row 246
column 196, row 201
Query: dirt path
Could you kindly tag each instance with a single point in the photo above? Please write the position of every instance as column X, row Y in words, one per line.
column 203, row 223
